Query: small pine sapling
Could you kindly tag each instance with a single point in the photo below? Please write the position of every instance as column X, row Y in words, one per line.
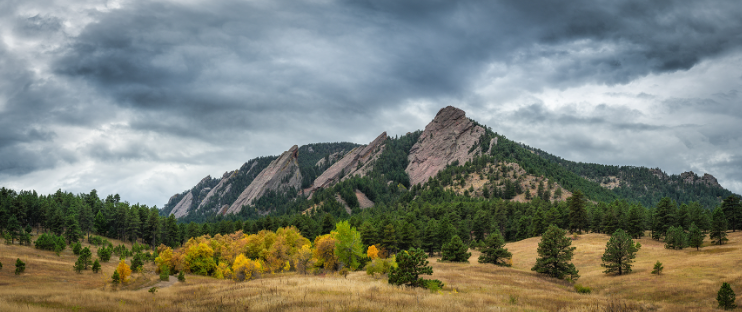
column 20, row 266
column 115, row 278
column 181, row 277
column 164, row 273
column 96, row 266
column 726, row 297
column 658, row 268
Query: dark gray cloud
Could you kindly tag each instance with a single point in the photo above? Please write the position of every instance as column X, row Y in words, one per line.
column 176, row 85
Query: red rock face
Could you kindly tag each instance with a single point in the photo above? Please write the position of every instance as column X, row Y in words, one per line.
column 285, row 167
column 348, row 166
column 447, row 138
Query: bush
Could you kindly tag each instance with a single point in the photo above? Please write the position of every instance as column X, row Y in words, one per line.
column 380, row 266
column 434, row 284
column 582, row 289
column 115, row 278
column 164, row 273
column 658, row 268
column 104, row 253
column 726, row 297
column 95, row 240
column 76, row 248
column 136, row 262
column 181, row 276
column 20, row 266
column 50, row 242
column 96, row 266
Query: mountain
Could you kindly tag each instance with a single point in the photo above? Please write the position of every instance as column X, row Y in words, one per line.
column 452, row 154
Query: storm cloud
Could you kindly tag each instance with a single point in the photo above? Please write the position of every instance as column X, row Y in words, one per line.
column 144, row 98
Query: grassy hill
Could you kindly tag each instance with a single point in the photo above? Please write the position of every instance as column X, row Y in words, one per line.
column 689, row 283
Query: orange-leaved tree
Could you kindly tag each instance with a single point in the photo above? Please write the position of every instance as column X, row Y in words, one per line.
column 372, row 252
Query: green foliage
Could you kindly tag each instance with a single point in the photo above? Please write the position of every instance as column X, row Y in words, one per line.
column 619, row 254
column 96, row 266
column 657, row 268
column 695, row 236
column 104, row 253
column 582, row 289
column 50, row 242
column 494, row 251
column 76, row 248
column 137, row 262
column 201, row 260
column 578, row 220
column 164, row 273
column 676, row 238
column 20, row 266
column 380, row 266
column 718, row 232
column 349, row 247
column 410, row 265
column 181, row 276
column 115, row 277
column 726, row 297
column 152, row 290
column 555, row 254
column 455, row 250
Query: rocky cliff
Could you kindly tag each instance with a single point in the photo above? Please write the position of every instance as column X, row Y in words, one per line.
column 356, row 162
column 449, row 137
column 281, row 173
column 186, row 203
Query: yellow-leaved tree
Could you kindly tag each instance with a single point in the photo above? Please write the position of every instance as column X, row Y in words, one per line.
column 165, row 258
column 372, row 252
column 124, row 271
column 302, row 258
column 200, row 260
column 245, row 269
column 324, row 251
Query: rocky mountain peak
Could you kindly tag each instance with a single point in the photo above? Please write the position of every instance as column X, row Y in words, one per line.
column 449, row 137
column 281, row 173
column 356, row 162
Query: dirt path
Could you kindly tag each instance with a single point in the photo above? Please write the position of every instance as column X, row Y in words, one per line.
column 163, row 284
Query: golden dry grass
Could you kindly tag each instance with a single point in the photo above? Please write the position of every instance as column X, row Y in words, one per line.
column 689, row 283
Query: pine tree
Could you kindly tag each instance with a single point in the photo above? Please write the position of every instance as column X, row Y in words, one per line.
column 410, row 265
column 96, row 266
column 726, row 297
column 664, row 217
column 676, row 238
column 115, row 278
column 718, row 232
column 14, row 228
column 555, row 255
column 72, row 231
column 695, row 237
column 494, row 250
column 732, row 211
column 20, row 266
column 431, row 241
column 635, row 221
column 455, row 251
column 620, row 252
column 181, row 277
column 578, row 220
column 658, row 268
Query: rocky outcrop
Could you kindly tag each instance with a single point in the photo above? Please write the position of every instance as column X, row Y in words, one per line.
column 657, row 172
column 280, row 173
column 181, row 209
column 449, row 137
column 358, row 161
column 691, row 178
column 221, row 188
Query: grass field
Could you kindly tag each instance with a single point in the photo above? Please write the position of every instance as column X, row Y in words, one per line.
column 689, row 282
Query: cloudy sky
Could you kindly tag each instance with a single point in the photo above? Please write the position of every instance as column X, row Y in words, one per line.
column 145, row 98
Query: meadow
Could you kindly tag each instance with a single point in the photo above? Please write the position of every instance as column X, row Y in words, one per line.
column 689, row 282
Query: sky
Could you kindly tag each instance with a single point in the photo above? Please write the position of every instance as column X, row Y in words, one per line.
column 145, row 98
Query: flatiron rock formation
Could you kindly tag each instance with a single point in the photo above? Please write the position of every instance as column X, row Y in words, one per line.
column 447, row 138
column 281, row 173
column 348, row 166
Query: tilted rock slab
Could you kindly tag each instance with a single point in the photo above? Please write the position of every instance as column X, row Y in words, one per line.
column 271, row 178
column 184, row 206
column 447, row 138
column 348, row 165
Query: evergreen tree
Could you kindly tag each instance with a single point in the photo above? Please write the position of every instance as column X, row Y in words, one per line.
column 620, row 252
column 596, row 222
column 695, row 237
column 14, row 228
column 555, row 255
column 410, row 265
column 368, row 233
column 85, row 257
column 539, row 222
column 676, row 238
column 610, row 222
column 72, row 231
column 86, row 219
column 718, row 232
column 389, row 240
column 664, row 217
column 181, row 277
column 20, row 266
column 455, row 251
column 726, row 297
column 578, row 219
column 431, row 242
column 494, row 250
column 732, row 209
column 96, row 266
column 115, row 278
column 657, row 268
column 635, row 221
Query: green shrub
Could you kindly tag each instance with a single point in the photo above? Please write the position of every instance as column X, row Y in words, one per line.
column 582, row 289
column 20, row 266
